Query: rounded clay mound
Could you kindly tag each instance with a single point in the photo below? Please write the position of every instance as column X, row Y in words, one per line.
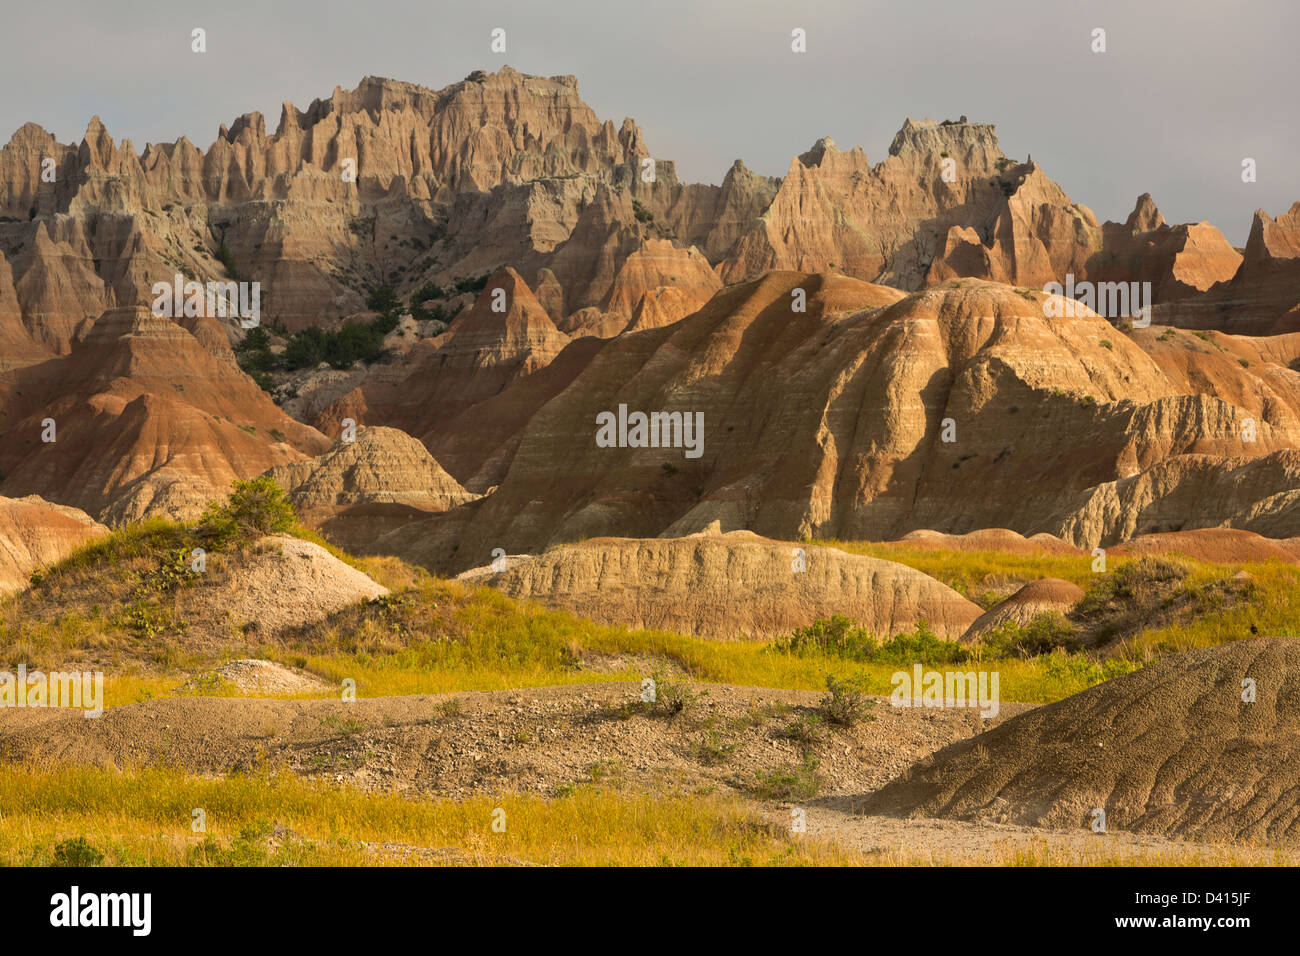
column 990, row 539
column 1044, row 596
column 1214, row 544
column 735, row 585
column 1171, row 750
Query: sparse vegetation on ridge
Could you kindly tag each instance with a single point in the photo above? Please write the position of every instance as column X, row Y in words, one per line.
column 439, row 636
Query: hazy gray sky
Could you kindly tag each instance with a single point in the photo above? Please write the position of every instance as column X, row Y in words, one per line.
column 1186, row 89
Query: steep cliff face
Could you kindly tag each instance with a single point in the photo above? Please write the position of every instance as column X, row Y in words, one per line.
column 945, row 203
column 361, row 489
column 393, row 183
column 1263, row 296
column 34, row 532
column 589, row 273
column 1178, row 261
column 388, row 183
column 956, row 408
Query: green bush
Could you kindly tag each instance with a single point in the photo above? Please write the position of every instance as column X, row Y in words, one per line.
column 840, row 637
column 421, row 313
column 475, row 284
column 255, row 357
column 78, row 852
column 1137, row 580
column 430, row 290
column 846, row 701
column 798, row 782
column 1044, row 634
column 224, row 256
column 341, row 348
column 383, row 298
column 254, row 508
column 921, row 646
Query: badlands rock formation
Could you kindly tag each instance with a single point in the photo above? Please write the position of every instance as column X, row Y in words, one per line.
column 1263, row 297
column 989, row 539
column 483, row 352
column 1170, row 749
column 871, row 413
column 277, row 583
column 390, row 182
column 143, row 420
column 904, row 222
column 954, row 409
column 1178, row 261
column 35, row 533
column 729, row 586
column 1044, row 596
column 361, row 489
column 395, row 183
column 1214, row 544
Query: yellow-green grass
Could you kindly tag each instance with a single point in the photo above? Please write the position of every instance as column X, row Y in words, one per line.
column 453, row 638
column 506, row 644
column 91, row 816
column 440, row 636
column 1038, row 680
column 972, row 573
column 1043, row 853
column 146, row 818
column 1273, row 609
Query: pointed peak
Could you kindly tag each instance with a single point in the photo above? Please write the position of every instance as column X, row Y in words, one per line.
column 818, row 152
column 254, row 122
column 32, row 133
column 1145, row 217
column 290, row 118
column 738, row 173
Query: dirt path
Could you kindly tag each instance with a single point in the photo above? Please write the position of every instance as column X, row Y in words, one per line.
column 955, row 842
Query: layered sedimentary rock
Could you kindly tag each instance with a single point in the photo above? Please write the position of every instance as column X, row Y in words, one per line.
column 363, row 488
column 1178, row 261
column 35, row 533
column 957, row 408
column 1136, row 746
column 945, row 203
column 502, row 339
column 393, row 183
column 605, row 288
column 732, row 586
column 989, row 539
column 1263, row 297
column 1044, row 596
column 139, row 418
column 1214, row 544
column 388, row 183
